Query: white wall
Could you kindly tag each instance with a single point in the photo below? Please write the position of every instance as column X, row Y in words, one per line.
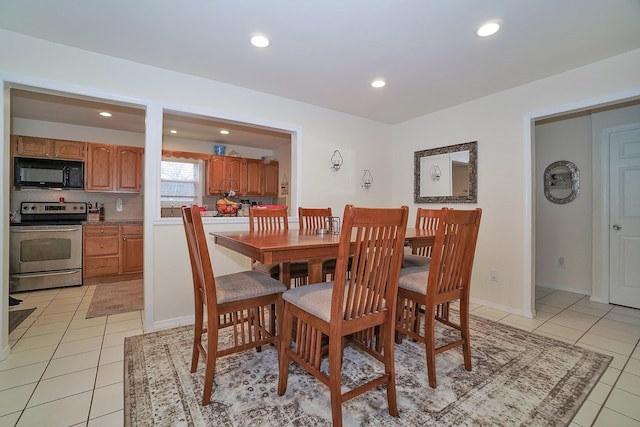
column 365, row 144
column 501, row 123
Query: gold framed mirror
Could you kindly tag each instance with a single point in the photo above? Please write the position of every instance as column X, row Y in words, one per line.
column 446, row 174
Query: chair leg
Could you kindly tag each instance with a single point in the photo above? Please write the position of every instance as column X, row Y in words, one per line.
column 388, row 338
column 464, row 331
column 197, row 337
column 210, row 370
column 285, row 343
column 430, row 345
column 335, row 366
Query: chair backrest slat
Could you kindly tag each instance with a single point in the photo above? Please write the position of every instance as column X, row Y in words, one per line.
column 261, row 219
column 426, row 219
column 453, row 252
column 377, row 239
column 313, row 218
column 201, row 268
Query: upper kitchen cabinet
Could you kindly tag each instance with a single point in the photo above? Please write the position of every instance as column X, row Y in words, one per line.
column 128, row 169
column 253, row 182
column 29, row 146
column 224, row 174
column 113, row 168
column 271, row 173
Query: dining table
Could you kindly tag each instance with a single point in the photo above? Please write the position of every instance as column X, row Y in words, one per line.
column 293, row 245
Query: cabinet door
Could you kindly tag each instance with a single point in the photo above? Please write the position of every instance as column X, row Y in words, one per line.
column 215, row 174
column 233, row 174
column 132, row 249
column 99, row 167
column 253, row 183
column 128, row 169
column 68, row 150
column 29, row 146
column 271, row 179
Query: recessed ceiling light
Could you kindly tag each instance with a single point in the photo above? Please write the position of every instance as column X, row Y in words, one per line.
column 224, row 132
column 378, row 83
column 173, row 131
column 259, row 41
column 105, row 114
column 488, row 29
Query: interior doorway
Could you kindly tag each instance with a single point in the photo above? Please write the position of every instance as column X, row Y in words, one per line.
column 571, row 249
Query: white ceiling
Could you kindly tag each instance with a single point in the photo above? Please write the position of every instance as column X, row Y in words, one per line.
column 327, row 52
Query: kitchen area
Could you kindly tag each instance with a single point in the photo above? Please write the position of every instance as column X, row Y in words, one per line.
column 76, row 189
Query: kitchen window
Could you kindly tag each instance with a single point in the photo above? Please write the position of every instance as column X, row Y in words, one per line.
column 181, row 181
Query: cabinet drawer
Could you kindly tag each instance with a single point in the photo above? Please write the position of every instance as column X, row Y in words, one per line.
column 97, row 230
column 100, row 266
column 132, row 229
column 101, row 246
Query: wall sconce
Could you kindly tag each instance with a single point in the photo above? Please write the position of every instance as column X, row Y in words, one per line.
column 336, row 160
column 367, row 179
column 436, row 173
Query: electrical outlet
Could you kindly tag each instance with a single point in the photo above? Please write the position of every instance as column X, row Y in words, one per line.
column 494, row 275
column 561, row 261
column 118, row 205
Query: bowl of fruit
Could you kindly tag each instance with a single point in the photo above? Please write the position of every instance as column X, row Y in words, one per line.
column 227, row 207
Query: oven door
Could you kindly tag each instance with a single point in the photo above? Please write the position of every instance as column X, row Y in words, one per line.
column 45, row 248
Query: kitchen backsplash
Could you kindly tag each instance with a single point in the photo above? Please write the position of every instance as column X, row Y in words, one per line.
column 132, row 204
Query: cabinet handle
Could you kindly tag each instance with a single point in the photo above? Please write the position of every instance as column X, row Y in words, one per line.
column 124, row 238
column 101, row 265
column 101, row 246
column 102, row 231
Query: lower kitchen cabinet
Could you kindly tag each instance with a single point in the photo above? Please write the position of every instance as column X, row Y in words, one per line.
column 112, row 252
column 132, row 249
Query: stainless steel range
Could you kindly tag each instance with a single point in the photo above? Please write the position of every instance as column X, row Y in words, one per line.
column 46, row 246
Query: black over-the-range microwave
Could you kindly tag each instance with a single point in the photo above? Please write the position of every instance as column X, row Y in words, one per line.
column 48, row 173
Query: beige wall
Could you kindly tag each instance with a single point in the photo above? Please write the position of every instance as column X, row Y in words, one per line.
column 501, row 123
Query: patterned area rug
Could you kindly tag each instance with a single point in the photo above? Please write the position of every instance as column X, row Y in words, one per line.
column 116, row 298
column 518, row 378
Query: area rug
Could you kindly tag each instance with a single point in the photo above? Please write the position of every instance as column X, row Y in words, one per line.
column 518, row 378
column 116, row 298
column 17, row 316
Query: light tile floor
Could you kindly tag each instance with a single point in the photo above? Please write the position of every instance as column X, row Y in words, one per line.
column 67, row 370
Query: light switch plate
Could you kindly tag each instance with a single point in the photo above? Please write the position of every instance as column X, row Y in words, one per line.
column 118, row 205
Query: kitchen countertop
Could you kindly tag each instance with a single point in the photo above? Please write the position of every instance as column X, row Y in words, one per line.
column 114, row 222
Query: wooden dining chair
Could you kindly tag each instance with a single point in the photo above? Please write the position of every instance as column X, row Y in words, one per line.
column 422, row 292
column 342, row 308
column 312, row 219
column 240, row 301
column 273, row 219
column 426, row 219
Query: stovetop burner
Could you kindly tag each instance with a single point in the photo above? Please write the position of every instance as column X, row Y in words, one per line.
column 52, row 213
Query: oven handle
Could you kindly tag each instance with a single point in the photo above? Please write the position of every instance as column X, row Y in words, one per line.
column 31, row 230
column 54, row 273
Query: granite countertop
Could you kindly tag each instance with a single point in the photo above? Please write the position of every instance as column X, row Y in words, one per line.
column 114, row 222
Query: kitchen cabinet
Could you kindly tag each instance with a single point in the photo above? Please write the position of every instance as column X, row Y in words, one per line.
column 224, row 174
column 128, row 169
column 113, row 168
column 270, row 187
column 112, row 252
column 101, row 255
column 249, row 177
column 215, row 174
column 29, row 146
column 132, row 249
column 253, row 177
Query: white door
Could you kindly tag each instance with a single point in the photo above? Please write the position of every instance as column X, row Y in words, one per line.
column 624, row 217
